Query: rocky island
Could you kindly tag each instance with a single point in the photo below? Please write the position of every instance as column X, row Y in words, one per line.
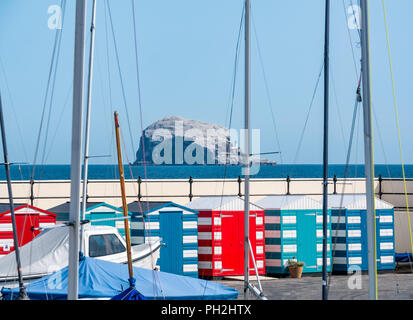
column 175, row 140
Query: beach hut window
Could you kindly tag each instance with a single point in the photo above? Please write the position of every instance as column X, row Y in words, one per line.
column 105, row 244
column 355, row 260
column 386, row 232
column 386, row 246
column 353, row 220
column 354, row 247
column 354, row 233
column 386, row 259
column 386, row 219
column 289, row 219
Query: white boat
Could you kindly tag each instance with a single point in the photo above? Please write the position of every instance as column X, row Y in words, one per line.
column 49, row 251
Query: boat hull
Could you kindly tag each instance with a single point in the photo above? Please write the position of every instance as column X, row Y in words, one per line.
column 143, row 256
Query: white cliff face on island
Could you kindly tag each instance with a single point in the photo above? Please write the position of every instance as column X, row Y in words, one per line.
column 176, row 140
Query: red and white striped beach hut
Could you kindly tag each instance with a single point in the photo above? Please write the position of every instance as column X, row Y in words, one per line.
column 28, row 221
column 221, row 236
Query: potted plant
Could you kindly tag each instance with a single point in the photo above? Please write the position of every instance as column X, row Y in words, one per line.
column 295, row 267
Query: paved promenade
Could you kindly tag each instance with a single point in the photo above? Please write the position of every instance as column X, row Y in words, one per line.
column 391, row 286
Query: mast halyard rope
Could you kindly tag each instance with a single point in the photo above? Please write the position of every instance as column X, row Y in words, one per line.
column 53, row 65
column 397, row 121
column 308, row 113
column 13, row 108
column 356, row 104
column 231, row 103
column 267, row 89
column 155, row 275
column 120, row 76
column 232, row 93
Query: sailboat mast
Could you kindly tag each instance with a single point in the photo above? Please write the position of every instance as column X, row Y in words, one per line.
column 88, row 110
column 325, row 147
column 124, row 203
column 368, row 150
column 247, row 146
column 76, row 156
column 22, row 294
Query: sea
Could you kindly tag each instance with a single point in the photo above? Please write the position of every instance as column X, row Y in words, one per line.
column 110, row 172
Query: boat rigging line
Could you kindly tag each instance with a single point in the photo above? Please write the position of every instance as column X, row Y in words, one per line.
column 49, row 87
column 22, row 289
column 13, row 108
column 232, row 93
column 267, row 90
column 397, row 120
column 138, row 83
column 120, row 76
column 397, row 123
column 349, row 34
column 308, row 113
column 358, row 100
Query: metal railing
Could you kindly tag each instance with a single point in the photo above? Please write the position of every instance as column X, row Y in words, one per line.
column 34, row 188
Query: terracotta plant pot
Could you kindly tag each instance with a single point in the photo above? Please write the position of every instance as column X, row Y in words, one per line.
column 296, row 271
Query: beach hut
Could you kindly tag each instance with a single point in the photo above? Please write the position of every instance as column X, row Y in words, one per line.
column 349, row 224
column 28, row 221
column 294, row 230
column 94, row 211
column 176, row 226
column 221, row 236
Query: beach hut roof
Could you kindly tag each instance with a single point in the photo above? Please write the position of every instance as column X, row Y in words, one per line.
column 6, row 206
column 5, row 209
column 224, row 203
column 355, row 202
column 289, row 202
column 65, row 207
column 138, row 207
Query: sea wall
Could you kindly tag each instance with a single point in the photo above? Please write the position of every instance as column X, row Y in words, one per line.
column 49, row 193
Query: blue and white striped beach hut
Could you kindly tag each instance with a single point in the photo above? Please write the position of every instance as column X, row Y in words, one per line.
column 294, row 229
column 349, row 232
column 95, row 211
column 176, row 225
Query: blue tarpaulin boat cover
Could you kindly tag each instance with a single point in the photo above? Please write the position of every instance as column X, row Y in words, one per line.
column 404, row 257
column 131, row 293
column 100, row 279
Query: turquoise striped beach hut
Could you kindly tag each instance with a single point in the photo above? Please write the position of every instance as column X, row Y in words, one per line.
column 294, row 230
column 176, row 226
column 94, row 211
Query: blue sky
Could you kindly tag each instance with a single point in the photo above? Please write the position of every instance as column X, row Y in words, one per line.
column 186, row 54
